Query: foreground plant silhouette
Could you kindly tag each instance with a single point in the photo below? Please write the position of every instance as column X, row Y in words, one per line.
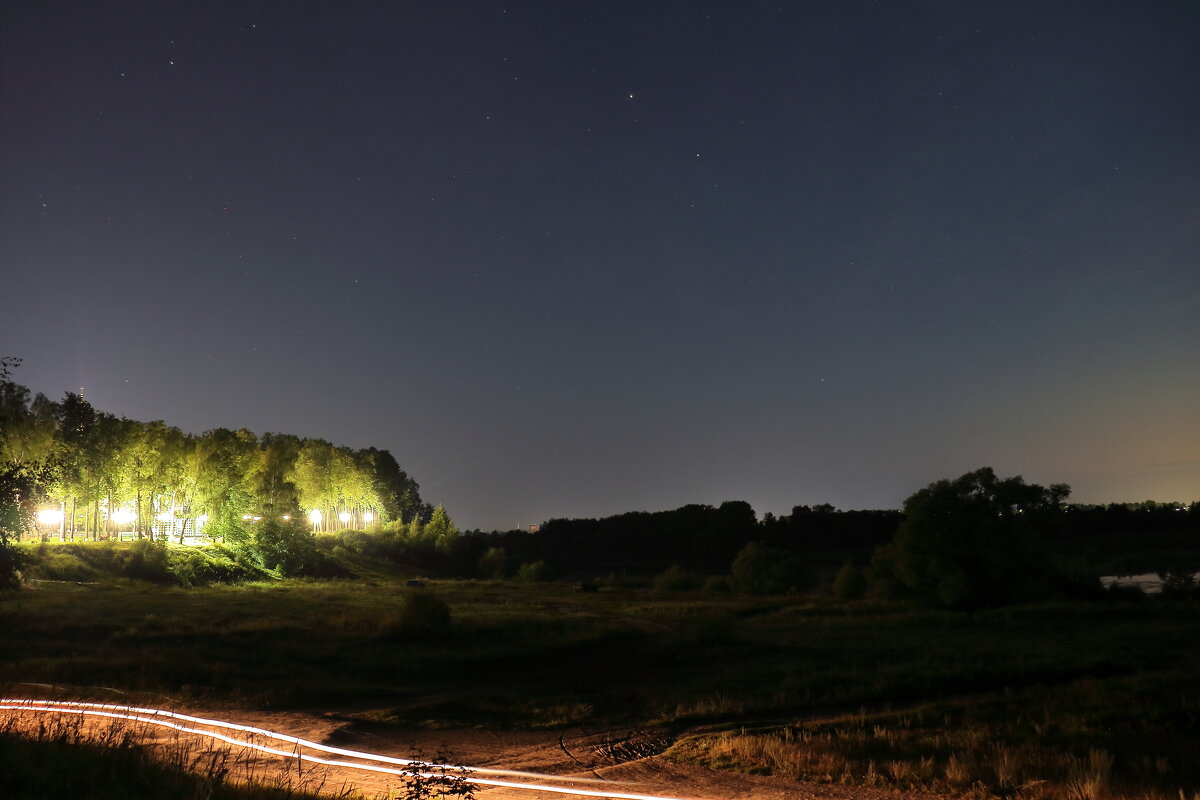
column 425, row 780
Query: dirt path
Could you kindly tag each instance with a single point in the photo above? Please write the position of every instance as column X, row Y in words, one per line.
column 606, row 764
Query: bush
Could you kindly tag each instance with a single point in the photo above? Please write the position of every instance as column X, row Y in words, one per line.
column 147, row 560
column 492, row 563
column 201, row 566
column 676, row 579
column 1178, row 585
column 534, row 572
column 286, row 547
column 11, row 562
column 759, row 569
column 850, row 583
column 622, row 580
column 717, row 583
column 422, row 612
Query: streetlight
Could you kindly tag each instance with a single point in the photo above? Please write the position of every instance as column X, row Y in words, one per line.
column 51, row 517
column 121, row 517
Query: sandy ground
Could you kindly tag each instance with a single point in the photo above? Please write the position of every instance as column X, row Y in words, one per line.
column 613, row 761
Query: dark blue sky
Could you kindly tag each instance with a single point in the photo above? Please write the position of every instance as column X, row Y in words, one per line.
column 568, row 259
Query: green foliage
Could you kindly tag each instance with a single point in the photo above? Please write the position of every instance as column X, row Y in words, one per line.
column 147, row 561
column 203, row 566
column 441, row 530
column 493, row 563
column 676, row 579
column 422, row 613
column 90, row 464
column 535, row 572
column 850, row 583
column 284, row 546
column 11, row 562
column 759, row 569
column 970, row 542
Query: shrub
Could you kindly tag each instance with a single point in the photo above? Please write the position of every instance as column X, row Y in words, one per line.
column 717, row 583
column 676, row 579
column 534, row 572
column 622, row 580
column 201, row 566
column 850, row 582
column 147, row 560
column 11, row 561
column 422, row 612
column 759, row 569
column 1178, row 585
column 492, row 563
column 286, row 547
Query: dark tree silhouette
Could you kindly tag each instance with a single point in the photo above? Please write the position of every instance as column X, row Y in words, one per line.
column 969, row 542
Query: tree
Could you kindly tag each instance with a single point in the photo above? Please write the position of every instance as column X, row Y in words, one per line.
column 970, row 542
column 396, row 490
column 286, row 546
column 850, row 583
column 227, row 460
column 441, row 530
column 759, row 569
column 492, row 563
column 273, row 480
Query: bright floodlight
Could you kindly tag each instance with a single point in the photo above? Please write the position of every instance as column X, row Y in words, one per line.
column 122, row 516
column 49, row 516
column 314, row 517
column 286, row 517
column 368, row 516
column 344, row 516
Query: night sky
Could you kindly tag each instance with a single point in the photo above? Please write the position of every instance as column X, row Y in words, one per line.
column 573, row 259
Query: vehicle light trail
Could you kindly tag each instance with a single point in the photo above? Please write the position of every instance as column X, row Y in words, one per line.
column 166, row 719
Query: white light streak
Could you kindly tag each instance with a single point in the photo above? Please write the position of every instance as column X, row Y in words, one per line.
column 162, row 718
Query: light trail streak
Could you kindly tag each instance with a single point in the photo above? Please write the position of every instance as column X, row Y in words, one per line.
column 162, row 718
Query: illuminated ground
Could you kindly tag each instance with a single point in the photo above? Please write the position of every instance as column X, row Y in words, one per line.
column 572, row 764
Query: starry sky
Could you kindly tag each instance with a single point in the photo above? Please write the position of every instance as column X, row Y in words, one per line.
column 574, row 259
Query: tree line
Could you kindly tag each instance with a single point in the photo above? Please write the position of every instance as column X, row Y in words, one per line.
column 68, row 470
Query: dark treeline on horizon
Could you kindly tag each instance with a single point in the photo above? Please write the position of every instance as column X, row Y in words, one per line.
column 706, row 538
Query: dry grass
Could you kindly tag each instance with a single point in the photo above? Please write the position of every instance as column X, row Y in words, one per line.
column 968, row 753
column 60, row 756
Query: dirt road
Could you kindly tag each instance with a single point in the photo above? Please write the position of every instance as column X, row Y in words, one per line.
column 368, row 757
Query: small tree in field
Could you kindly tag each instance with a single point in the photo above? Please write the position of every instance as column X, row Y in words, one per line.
column 970, row 542
column 492, row 563
column 850, row 582
column 759, row 569
column 286, row 546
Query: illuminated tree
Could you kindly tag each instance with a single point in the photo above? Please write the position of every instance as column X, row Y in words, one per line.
column 273, row 480
column 441, row 530
column 227, row 460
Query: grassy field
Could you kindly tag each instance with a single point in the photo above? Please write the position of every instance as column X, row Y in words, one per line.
column 61, row 759
column 1066, row 700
